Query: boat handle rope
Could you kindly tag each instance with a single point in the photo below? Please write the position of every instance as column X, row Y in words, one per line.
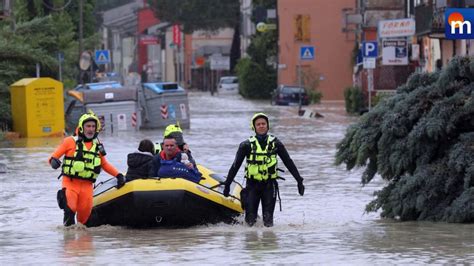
column 222, row 183
column 102, row 182
column 218, row 185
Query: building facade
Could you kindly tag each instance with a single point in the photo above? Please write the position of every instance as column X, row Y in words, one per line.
column 317, row 24
column 200, row 48
column 435, row 49
column 391, row 15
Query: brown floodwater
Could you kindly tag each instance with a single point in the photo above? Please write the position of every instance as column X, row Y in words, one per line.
column 326, row 226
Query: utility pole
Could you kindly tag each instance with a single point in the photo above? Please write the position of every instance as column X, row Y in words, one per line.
column 81, row 8
column 278, row 46
column 181, row 59
column 60, row 60
column 8, row 6
column 81, row 45
column 178, row 63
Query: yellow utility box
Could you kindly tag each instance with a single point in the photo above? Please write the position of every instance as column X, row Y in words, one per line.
column 37, row 107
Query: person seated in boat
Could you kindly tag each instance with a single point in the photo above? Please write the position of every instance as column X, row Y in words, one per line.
column 140, row 162
column 175, row 131
column 172, row 162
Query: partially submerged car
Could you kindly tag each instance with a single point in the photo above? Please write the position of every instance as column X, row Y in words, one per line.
column 289, row 95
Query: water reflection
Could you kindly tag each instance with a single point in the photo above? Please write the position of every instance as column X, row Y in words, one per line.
column 258, row 243
column 78, row 242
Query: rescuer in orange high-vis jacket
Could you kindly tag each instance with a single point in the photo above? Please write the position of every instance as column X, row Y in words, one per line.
column 84, row 157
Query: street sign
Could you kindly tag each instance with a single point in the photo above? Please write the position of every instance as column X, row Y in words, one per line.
column 394, row 52
column 102, row 57
column 85, row 60
column 262, row 27
column 369, row 62
column 415, row 52
column 396, row 28
column 176, row 35
column 369, row 49
column 149, row 40
column 200, row 60
column 219, row 62
column 60, row 56
column 271, row 26
column 307, row 53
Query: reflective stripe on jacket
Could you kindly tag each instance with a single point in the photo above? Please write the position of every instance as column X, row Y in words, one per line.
column 261, row 164
column 84, row 164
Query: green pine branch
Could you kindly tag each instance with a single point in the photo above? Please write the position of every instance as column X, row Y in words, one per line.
column 421, row 141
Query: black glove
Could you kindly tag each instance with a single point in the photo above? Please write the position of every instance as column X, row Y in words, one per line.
column 120, row 180
column 55, row 163
column 301, row 187
column 226, row 190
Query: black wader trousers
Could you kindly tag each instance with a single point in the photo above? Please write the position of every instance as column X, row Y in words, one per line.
column 266, row 192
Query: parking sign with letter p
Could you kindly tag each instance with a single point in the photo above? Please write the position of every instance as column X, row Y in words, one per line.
column 369, row 49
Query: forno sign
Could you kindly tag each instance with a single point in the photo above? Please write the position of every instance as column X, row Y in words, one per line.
column 396, row 28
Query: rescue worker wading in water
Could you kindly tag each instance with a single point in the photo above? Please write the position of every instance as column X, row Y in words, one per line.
column 261, row 152
column 84, row 156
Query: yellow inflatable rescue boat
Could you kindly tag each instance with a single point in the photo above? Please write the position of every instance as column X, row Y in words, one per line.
column 165, row 202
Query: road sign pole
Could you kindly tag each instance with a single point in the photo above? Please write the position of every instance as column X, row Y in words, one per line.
column 181, row 59
column 370, row 85
column 60, row 67
column 300, row 86
column 178, row 67
column 306, row 53
column 91, row 67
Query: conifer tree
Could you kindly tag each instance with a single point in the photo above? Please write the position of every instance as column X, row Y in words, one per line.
column 193, row 15
column 421, row 141
column 33, row 42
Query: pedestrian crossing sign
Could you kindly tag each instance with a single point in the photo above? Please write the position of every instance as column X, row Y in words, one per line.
column 307, row 52
column 102, row 56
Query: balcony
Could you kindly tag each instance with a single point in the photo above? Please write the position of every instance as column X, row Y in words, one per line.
column 430, row 21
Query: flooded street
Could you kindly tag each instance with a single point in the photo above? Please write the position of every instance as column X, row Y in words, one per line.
column 326, row 226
